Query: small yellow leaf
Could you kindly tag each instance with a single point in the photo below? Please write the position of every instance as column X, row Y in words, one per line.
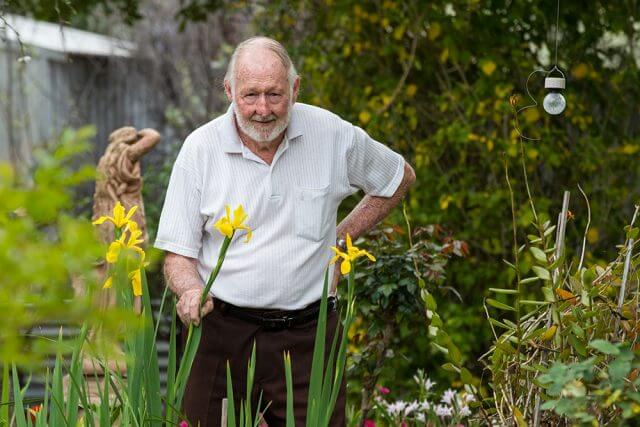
column 488, row 67
column 444, row 201
column 399, row 32
column 580, row 71
column 411, row 90
column 434, row 31
column 531, row 115
column 629, row 149
column 364, row 117
column 517, row 415
column 593, row 235
column 549, row 333
column 502, row 91
column 564, row 295
column 444, row 55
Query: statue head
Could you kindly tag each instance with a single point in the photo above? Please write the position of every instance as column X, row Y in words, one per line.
column 124, row 135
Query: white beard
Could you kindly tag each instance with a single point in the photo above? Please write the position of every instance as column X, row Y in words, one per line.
column 262, row 134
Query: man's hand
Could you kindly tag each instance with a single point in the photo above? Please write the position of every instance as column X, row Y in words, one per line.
column 182, row 277
column 188, row 306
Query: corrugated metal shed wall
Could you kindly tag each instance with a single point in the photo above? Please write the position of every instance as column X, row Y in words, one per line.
column 39, row 98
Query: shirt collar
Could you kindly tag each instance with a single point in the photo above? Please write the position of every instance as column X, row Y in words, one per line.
column 230, row 139
column 231, row 142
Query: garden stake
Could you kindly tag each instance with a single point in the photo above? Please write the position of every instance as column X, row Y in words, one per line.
column 586, row 228
column 625, row 273
column 560, row 233
column 223, row 418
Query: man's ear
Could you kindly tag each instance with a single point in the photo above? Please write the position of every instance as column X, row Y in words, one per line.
column 296, row 89
column 227, row 90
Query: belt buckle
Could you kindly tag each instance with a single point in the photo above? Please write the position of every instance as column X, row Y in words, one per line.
column 279, row 322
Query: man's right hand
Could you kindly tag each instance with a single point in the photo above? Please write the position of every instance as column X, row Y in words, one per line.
column 188, row 306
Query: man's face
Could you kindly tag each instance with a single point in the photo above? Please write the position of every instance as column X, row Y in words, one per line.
column 262, row 98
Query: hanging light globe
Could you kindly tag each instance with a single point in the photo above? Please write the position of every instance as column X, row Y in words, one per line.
column 554, row 103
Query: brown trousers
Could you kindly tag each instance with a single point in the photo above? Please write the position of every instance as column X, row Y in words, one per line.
column 226, row 338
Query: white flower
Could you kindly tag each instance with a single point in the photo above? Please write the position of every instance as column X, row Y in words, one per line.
column 444, row 411
column 428, row 384
column 411, row 407
column 420, row 417
column 425, row 405
column 465, row 411
column 469, row 397
column 448, row 396
column 449, row 10
column 396, row 408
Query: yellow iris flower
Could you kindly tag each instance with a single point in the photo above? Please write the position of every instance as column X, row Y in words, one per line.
column 128, row 241
column 119, row 218
column 136, row 281
column 348, row 257
column 227, row 225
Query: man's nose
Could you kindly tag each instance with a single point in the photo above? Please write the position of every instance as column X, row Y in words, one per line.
column 262, row 105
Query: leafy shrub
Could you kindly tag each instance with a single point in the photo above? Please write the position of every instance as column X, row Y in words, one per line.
column 392, row 306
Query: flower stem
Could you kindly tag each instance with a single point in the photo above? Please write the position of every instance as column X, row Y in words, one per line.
column 216, row 270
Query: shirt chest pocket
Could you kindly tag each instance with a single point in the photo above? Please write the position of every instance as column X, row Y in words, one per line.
column 311, row 212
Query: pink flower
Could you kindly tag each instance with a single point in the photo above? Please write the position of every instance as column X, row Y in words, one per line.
column 183, row 424
column 404, row 424
column 384, row 390
column 369, row 423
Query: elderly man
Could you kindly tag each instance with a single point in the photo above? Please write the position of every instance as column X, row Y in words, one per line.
column 290, row 165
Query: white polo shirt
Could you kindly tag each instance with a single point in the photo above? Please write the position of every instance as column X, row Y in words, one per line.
column 291, row 204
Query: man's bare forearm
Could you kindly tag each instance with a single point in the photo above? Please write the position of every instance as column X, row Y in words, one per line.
column 371, row 209
column 181, row 273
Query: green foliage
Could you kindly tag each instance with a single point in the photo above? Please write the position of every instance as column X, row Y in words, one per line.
column 561, row 314
column 42, row 249
column 602, row 387
column 75, row 11
column 432, row 80
column 394, row 301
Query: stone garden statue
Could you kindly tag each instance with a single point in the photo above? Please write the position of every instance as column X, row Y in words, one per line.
column 119, row 177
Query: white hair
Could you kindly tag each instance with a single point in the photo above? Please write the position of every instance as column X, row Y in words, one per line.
column 268, row 43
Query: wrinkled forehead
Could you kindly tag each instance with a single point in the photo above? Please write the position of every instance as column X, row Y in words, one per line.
column 260, row 65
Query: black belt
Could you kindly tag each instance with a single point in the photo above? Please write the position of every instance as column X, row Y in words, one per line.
column 274, row 319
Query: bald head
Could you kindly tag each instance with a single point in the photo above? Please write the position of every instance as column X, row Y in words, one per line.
column 260, row 54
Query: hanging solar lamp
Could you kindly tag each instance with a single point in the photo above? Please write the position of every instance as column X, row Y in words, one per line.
column 554, row 103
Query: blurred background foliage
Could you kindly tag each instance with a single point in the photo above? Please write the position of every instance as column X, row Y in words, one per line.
column 433, row 80
column 43, row 249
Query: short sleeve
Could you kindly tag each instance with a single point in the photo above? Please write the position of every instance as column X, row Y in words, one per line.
column 373, row 167
column 181, row 224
